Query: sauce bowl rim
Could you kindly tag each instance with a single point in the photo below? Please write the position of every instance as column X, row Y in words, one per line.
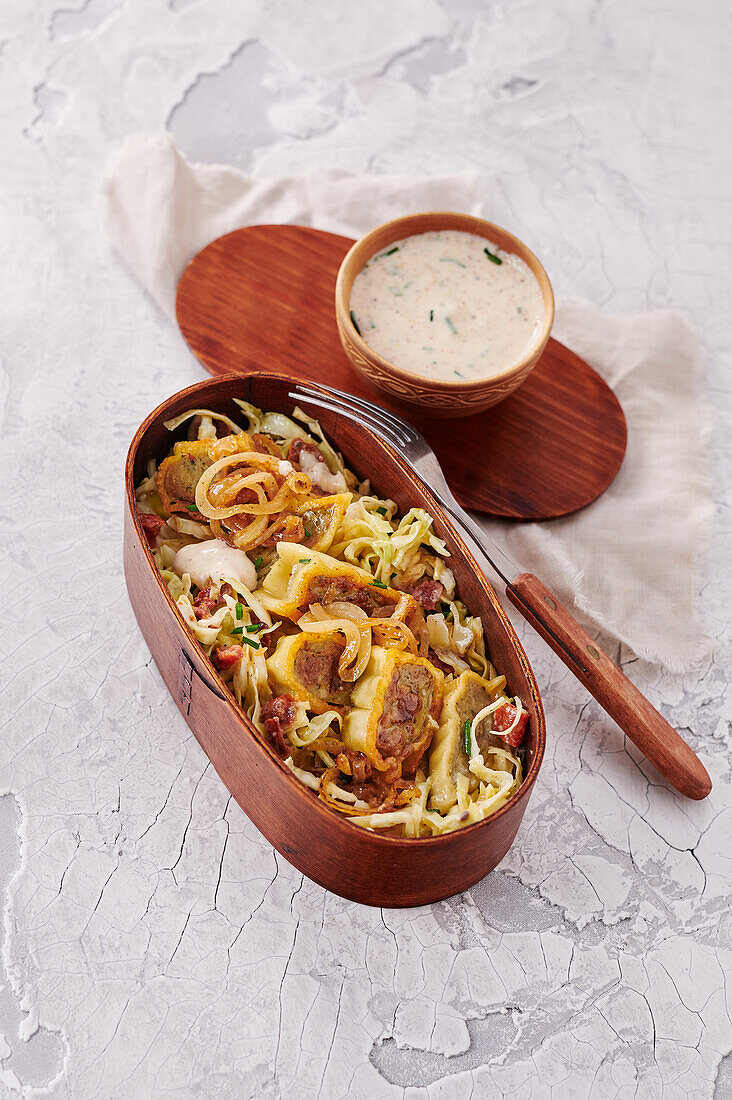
column 464, row 223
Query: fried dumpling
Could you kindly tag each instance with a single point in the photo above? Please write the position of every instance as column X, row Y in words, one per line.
column 396, row 705
column 301, row 577
column 305, row 666
column 322, row 516
column 467, row 694
column 180, row 473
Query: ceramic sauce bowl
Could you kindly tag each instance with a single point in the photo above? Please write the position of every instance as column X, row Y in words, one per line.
column 438, row 397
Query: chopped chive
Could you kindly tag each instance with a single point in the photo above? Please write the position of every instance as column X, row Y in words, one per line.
column 378, row 584
column 381, row 510
column 239, row 610
column 389, row 253
column 447, row 260
column 253, row 628
column 354, row 322
column 466, row 737
column 457, row 372
column 307, row 534
column 450, row 325
column 303, row 561
column 191, row 508
column 432, row 315
column 258, row 562
column 252, row 643
column 238, row 630
column 492, row 257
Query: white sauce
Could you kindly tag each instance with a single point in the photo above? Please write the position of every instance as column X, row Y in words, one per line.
column 320, row 475
column 435, row 304
column 215, row 561
column 284, row 467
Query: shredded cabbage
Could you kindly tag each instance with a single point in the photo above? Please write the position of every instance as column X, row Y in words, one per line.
column 396, row 552
column 333, row 460
column 369, row 538
column 305, row 777
column 410, row 817
column 306, row 729
column 252, row 413
column 279, row 426
column 189, row 527
column 209, row 415
column 445, row 576
column 147, row 485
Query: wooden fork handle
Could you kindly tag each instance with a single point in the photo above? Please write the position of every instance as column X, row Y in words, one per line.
column 649, row 730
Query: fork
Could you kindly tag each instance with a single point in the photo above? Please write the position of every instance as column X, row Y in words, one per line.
column 609, row 685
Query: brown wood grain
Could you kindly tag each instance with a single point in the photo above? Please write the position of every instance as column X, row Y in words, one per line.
column 353, row 862
column 637, row 717
column 263, row 298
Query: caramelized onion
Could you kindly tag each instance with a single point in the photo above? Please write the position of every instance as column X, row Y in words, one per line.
column 395, row 634
column 329, row 777
column 346, row 610
column 268, row 491
column 399, row 793
column 357, row 649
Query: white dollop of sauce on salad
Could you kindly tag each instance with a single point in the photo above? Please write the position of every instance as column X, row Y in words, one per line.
column 215, row 561
column 448, row 305
column 320, row 475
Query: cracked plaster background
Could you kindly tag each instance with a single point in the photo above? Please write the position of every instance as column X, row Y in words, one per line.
column 154, row 944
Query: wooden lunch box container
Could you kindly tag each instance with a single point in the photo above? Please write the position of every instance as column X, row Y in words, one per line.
column 349, row 860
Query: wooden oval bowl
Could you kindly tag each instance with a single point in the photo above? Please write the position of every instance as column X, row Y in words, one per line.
column 433, row 396
column 351, row 861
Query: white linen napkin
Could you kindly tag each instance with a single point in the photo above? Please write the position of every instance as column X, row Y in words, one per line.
column 629, row 563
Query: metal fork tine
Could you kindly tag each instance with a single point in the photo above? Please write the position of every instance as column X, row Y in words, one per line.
column 364, row 416
column 359, row 417
column 399, row 429
column 395, row 422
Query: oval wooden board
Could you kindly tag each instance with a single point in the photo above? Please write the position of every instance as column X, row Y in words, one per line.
column 263, row 297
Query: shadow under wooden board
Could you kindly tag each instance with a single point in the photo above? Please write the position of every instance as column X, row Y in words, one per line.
column 263, row 297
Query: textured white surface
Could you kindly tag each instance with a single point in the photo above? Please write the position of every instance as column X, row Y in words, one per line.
column 158, row 942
